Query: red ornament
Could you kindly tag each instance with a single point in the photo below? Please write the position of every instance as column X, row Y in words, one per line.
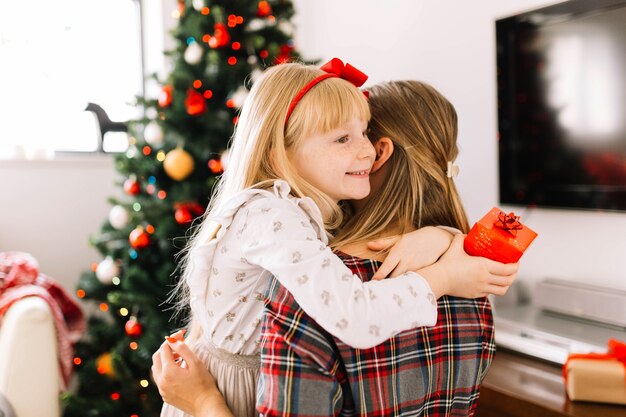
column 138, row 238
column 194, row 103
column 264, row 9
column 215, row 166
column 284, row 56
column 133, row 328
column 131, row 186
column 220, row 36
column 165, row 97
column 186, row 212
column 183, row 215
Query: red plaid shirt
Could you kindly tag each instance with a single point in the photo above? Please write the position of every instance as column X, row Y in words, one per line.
column 433, row 371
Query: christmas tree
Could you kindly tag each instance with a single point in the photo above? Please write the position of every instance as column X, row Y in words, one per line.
column 175, row 155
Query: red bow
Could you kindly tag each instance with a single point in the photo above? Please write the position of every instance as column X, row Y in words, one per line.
column 616, row 351
column 345, row 71
column 508, row 222
column 333, row 68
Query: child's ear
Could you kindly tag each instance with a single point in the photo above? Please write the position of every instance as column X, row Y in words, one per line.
column 384, row 150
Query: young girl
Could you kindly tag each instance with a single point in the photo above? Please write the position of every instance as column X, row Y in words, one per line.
column 299, row 149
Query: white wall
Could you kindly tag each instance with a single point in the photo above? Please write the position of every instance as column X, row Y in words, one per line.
column 45, row 207
column 49, row 208
column 451, row 44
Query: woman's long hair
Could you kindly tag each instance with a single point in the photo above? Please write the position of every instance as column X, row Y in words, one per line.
column 422, row 124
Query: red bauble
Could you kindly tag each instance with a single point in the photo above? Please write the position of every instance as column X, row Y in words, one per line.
column 131, row 186
column 133, row 328
column 284, row 56
column 183, row 215
column 187, row 212
column 165, row 97
column 194, row 103
column 220, row 36
column 264, row 9
column 138, row 238
column 215, row 166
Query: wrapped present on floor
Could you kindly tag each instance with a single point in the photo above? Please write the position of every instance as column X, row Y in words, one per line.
column 499, row 236
column 597, row 377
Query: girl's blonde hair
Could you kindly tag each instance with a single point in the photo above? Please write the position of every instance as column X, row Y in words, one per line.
column 261, row 143
column 422, row 124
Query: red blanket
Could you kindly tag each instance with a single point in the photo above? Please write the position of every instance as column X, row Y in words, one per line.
column 20, row 278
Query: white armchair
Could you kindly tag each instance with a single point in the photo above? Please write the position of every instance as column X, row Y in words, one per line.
column 29, row 367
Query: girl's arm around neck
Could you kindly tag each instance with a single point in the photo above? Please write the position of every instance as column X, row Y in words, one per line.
column 278, row 236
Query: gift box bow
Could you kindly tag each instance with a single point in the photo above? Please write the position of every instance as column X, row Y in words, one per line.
column 616, row 352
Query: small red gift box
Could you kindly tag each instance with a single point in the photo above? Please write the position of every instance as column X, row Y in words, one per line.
column 499, row 236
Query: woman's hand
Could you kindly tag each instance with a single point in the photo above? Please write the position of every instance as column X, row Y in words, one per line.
column 411, row 251
column 461, row 275
column 184, row 382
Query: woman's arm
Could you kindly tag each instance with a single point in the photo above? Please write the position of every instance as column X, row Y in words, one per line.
column 191, row 388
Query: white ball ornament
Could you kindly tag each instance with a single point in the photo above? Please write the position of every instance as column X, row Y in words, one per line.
column 256, row 74
column 239, row 97
column 107, row 270
column 257, row 24
column 119, row 217
column 252, row 59
column 197, row 4
column 193, row 53
column 153, row 134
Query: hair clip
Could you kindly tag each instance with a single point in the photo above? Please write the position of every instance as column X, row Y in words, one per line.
column 453, row 170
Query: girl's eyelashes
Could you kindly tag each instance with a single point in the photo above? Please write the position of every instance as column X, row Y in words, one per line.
column 343, row 139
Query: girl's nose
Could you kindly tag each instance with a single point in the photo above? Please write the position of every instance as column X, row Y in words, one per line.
column 367, row 149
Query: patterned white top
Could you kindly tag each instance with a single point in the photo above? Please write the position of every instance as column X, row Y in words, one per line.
column 270, row 232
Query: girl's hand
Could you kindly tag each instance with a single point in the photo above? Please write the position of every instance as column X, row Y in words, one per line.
column 186, row 384
column 461, row 275
column 411, row 251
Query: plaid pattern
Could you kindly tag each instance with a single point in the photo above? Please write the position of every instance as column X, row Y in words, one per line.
column 421, row 372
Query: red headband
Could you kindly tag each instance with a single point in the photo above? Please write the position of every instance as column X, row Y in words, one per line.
column 333, row 68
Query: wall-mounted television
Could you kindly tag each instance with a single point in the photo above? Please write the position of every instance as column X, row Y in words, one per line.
column 561, row 82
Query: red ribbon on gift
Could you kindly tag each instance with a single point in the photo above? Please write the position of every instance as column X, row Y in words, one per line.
column 617, row 351
column 508, row 222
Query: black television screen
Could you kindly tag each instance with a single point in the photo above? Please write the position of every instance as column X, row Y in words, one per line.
column 562, row 106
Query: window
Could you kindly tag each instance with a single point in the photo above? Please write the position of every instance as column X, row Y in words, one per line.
column 55, row 57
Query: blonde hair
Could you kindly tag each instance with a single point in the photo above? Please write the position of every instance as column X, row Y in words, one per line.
column 261, row 142
column 422, row 124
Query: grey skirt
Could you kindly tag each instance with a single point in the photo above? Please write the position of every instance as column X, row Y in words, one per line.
column 236, row 377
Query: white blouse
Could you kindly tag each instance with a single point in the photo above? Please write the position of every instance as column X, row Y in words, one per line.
column 270, row 232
